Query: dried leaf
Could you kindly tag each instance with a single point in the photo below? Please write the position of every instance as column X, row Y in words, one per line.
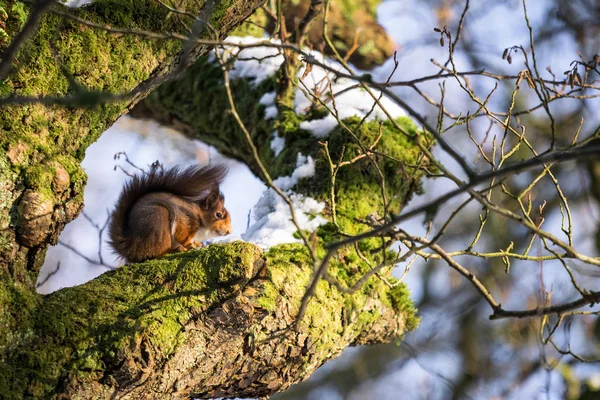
column 307, row 70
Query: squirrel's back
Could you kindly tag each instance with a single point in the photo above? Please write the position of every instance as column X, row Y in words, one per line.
column 191, row 184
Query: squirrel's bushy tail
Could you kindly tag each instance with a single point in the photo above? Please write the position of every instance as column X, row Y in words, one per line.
column 193, row 183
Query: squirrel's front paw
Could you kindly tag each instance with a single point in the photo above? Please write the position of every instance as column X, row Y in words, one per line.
column 194, row 244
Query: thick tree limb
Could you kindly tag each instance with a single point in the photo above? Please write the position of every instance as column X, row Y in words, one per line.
column 207, row 323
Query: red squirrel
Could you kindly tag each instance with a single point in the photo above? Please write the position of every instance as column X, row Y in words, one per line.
column 170, row 210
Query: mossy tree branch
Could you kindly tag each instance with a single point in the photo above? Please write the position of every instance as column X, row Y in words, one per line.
column 207, row 323
column 351, row 24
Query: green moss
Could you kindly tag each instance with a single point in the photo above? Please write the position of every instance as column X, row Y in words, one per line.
column 219, row 11
column 350, row 6
column 288, row 123
column 19, row 12
column 39, row 178
column 224, row 263
column 288, row 269
column 17, row 305
column 6, row 240
column 399, row 296
column 330, row 312
column 84, row 328
column 354, row 181
column 6, row 193
column 8, row 20
column 368, row 318
column 268, row 297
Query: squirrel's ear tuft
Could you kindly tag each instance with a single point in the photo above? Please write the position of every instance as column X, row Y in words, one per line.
column 213, row 197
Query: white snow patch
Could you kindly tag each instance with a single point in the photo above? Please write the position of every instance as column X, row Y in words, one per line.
column 268, row 100
column 305, row 167
column 277, row 143
column 272, row 214
column 353, row 103
column 259, row 63
column 270, row 112
column 274, row 225
column 76, row 3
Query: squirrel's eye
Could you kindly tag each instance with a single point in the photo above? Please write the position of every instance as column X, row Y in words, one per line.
column 219, row 215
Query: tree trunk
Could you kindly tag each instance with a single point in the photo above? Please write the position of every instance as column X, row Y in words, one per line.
column 207, row 323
